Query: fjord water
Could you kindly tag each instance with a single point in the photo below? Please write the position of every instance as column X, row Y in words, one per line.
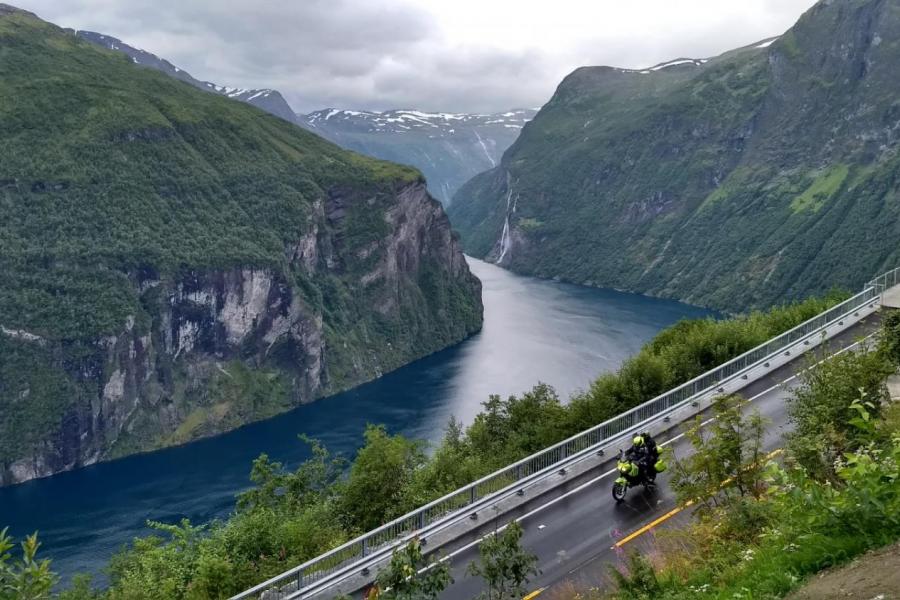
column 534, row 330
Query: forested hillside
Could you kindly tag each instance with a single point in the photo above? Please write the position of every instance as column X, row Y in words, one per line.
column 763, row 174
column 175, row 263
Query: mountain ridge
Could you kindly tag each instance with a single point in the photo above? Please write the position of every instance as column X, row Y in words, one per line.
column 269, row 100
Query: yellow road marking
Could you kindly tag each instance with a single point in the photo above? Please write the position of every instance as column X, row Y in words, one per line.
column 674, row 512
column 534, row 594
column 651, row 525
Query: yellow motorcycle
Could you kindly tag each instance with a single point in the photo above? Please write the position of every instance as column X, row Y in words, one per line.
column 630, row 475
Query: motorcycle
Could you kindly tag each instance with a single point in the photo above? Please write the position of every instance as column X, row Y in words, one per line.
column 631, row 475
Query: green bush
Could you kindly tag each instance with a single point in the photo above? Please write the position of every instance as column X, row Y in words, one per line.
column 376, row 489
column 637, row 580
column 890, row 336
column 821, row 409
column 24, row 578
column 682, row 352
column 726, row 462
column 402, row 579
column 503, row 565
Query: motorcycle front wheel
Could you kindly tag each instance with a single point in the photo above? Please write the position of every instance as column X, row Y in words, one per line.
column 618, row 492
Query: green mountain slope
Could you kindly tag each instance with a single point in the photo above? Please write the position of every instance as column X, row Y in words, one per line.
column 764, row 174
column 175, row 263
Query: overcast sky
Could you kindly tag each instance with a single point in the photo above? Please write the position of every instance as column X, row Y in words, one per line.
column 436, row 55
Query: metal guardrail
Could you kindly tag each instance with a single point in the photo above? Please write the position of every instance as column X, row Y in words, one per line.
column 885, row 281
column 391, row 534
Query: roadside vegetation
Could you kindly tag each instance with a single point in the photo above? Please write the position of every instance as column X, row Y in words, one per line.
column 762, row 527
column 503, row 565
column 290, row 516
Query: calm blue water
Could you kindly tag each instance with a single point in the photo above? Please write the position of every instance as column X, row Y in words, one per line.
column 534, row 331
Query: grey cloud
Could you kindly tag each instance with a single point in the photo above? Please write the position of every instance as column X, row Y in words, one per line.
column 377, row 54
column 700, row 39
column 297, row 46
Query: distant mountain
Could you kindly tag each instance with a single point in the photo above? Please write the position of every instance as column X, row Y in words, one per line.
column 448, row 148
column 268, row 100
column 764, row 174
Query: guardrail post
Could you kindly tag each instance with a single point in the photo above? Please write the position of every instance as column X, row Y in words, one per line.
column 422, row 520
column 473, row 495
column 365, row 547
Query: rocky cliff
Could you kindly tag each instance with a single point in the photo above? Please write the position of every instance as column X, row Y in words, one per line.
column 177, row 264
column 764, row 174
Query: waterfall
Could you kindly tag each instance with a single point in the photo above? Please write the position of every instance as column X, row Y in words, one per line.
column 484, row 147
column 505, row 242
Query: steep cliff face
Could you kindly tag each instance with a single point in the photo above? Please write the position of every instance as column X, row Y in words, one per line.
column 764, row 174
column 211, row 350
column 176, row 264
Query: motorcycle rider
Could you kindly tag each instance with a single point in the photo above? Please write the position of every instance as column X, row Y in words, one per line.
column 638, row 452
column 644, row 454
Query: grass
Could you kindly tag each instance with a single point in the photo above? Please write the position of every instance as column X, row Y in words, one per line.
column 188, row 428
column 529, row 224
column 823, row 188
column 736, row 180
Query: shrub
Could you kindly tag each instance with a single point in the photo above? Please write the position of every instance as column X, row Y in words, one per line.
column 504, row 565
column 727, row 457
column 25, row 578
column 821, row 409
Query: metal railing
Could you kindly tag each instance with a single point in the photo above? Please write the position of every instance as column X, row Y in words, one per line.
column 885, row 281
column 392, row 534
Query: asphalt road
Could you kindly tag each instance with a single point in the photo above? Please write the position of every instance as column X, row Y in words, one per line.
column 573, row 532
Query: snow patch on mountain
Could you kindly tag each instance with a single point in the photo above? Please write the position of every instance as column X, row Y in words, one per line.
column 696, row 62
column 401, row 120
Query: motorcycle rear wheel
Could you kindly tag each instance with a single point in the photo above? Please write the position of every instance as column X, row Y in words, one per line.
column 618, row 492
